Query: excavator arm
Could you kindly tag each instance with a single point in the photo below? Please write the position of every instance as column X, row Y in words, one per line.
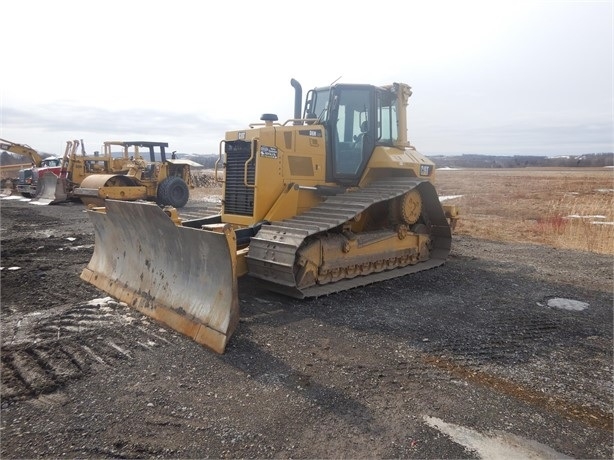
column 21, row 149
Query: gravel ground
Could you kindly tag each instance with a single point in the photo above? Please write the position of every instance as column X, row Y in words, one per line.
column 505, row 351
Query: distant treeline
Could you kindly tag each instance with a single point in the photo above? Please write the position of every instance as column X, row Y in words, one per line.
column 10, row 159
column 442, row 161
column 523, row 161
column 208, row 161
column 487, row 161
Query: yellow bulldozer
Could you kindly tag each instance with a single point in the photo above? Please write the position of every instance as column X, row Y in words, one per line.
column 119, row 172
column 167, row 181
column 58, row 185
column 332, row 199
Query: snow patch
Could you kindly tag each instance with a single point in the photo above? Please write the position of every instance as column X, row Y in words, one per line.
column 449, row 197
column 578, row 216
column 499, row 445
column 209, row 199
column 15, row 197
column 82, row 246
column 101, row 301
column 592, row 222
column 567, row 304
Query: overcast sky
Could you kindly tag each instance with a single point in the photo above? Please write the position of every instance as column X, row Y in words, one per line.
column 488, row 77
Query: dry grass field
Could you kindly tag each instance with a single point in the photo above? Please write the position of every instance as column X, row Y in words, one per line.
column 571, row 208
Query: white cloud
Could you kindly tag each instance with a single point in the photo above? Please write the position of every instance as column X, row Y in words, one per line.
column 186, row 71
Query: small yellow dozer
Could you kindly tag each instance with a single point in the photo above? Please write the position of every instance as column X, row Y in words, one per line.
column 57, row 186
column 332, row 199
column 167, row 181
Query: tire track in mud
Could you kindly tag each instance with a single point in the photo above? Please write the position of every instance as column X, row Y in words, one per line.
column 489, row 357
column 503, row 341
column 43, row 351
column 570, row 409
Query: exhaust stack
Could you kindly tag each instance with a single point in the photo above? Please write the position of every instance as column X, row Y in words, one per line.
column 298, row 100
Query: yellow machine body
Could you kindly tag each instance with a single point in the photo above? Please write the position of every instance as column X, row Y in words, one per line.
column 164, row 180
column 76, row 167
column 22, row 149
column 332, row 199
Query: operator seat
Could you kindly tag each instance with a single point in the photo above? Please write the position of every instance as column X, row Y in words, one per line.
column 364, row 127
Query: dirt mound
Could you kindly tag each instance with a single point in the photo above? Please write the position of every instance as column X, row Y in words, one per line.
column 205, row 179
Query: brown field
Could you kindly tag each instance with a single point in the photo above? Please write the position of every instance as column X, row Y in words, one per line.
column 571, row 208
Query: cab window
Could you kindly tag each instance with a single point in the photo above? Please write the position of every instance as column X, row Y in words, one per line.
column 387, row 118
column 352, row 123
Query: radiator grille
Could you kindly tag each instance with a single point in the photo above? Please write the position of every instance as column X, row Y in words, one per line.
column 239, row 199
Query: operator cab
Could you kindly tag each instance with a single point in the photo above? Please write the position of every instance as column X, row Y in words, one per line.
column 51, row 162
column 357, row 118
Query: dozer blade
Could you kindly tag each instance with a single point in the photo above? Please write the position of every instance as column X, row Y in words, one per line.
column 50, row 189
column 180, row 276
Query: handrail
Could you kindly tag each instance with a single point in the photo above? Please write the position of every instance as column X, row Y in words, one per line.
column 308, row 121
column 217, row 161
column 253, row 146
column 253, row 125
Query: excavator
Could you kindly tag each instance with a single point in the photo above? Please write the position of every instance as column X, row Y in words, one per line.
column 27, row 181
column 332, row 199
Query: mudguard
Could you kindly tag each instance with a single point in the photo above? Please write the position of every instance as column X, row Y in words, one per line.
column 183, row 277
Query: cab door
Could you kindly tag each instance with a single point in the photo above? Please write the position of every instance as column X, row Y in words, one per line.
column 351, row 130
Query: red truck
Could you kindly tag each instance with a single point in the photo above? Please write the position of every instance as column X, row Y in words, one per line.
column 28, row 177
